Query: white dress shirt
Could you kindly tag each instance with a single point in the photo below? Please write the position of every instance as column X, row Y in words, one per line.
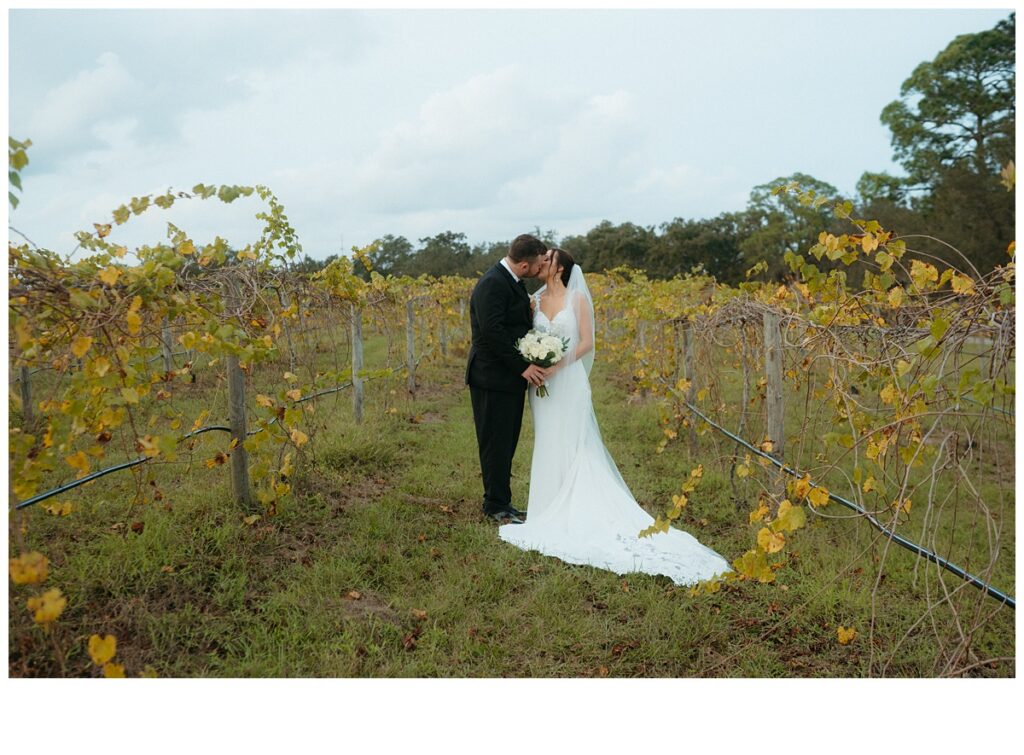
column 504, row 262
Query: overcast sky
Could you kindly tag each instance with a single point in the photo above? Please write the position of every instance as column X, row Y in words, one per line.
column 417, row 122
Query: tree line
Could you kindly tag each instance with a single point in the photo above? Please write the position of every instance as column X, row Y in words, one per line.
column 952, row 132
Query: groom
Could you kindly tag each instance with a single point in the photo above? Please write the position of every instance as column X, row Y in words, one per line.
column 499, row 314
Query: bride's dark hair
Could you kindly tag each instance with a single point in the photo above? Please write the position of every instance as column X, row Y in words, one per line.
column 564, row 259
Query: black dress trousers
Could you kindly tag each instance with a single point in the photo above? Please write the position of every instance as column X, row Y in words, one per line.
column 499, row 314
column 498, row 417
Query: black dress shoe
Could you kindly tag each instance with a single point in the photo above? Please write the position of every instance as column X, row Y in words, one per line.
column 517, row 512
column 504, row 516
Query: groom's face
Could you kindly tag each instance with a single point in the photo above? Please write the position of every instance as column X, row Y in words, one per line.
column 538, row 266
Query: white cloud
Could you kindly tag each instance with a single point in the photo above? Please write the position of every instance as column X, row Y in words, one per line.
column 596, row 157
column 464, row 143
column 75, row 104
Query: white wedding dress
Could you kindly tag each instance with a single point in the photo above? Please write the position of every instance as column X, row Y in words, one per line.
column 579, row 508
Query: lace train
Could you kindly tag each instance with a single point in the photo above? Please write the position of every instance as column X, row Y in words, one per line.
column 579, row 508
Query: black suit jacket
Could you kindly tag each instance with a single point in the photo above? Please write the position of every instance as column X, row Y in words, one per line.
column 499, row 315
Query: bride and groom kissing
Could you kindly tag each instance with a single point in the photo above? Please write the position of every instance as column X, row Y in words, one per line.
column 579, row 508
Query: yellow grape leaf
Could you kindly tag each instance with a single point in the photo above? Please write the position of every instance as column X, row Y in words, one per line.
column 149, row 447
column 758, row 514
column 134, row 322
column 113, row 671
column 252, row 519
column 754, row 565
column 902, row 367
column 742, row 470
column 961, row 284
column 818, row 496
column 683, row 385
column 770, row 542
column 702, row 394
column 923, row 272
column 29, row 568
column 295, row 394
column 217, row 460
column 187, row 248
column 102, row 229
column 789, row 518
column 904, row 506
column 100, row 366
column 48, row 606
column 80, row 345
column 188, row 340
column 846, row 635
column 109, row 275
column 291, row 377
column 802, row 486
column 767, row 445
column 896, row 297
column 130, row 395
column 59, row 509
column 888, row 394
column 200, row 419
column 102, row 649
column 299, row 438
column 78, row 461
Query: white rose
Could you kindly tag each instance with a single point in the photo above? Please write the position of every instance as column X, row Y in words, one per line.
column 551, row 343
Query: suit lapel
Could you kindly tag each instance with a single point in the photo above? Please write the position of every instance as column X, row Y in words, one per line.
column 520, row 290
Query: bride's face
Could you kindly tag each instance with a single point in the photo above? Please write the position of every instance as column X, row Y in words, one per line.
column 554, row 270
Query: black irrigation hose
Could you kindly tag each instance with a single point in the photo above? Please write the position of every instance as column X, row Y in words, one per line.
column 144, row 459
column 108, row 470
column 993, row 408
column 998, row 595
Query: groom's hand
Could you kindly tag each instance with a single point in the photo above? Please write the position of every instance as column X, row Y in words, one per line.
column 535, row 375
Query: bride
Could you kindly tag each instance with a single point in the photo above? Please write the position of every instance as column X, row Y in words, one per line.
column 579, row 508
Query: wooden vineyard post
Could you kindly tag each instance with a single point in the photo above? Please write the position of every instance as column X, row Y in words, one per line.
column 442, row 333
column 236, row 409
column 165, row 345
column 773, row 377
column 677, row 331
column 410, row 345
column 357, row 363
column 691, row 392
column 26, row 396
column 282, row 297
column 642, row 340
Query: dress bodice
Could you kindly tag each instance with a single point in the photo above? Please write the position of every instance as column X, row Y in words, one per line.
column 562, row 324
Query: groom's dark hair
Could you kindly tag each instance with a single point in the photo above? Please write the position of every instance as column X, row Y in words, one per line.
column 526, row 247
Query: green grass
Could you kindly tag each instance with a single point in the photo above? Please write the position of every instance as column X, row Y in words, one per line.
column 390, row 510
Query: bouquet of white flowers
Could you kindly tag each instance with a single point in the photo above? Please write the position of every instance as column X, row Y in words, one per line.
column 542, row 349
